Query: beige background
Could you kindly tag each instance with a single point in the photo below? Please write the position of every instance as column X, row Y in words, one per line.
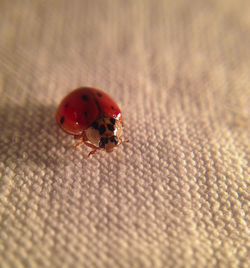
column 176, row 195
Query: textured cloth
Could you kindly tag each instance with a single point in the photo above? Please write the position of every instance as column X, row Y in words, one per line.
column 176, row 194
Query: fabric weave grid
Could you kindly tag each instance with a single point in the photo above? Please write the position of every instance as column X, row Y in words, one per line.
column 176, row 194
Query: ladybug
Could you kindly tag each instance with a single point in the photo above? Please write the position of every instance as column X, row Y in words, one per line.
column 92, row 117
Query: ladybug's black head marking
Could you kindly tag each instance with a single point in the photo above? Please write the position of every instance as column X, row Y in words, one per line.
column 102, row 129
column 112, row 120
column 110, row 127
column 104, row 134
column 114, row 140
column 103, row 142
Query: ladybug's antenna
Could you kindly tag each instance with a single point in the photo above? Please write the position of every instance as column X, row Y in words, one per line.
column 123, row 141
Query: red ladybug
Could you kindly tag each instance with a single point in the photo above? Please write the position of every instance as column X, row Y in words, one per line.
column 93, row 117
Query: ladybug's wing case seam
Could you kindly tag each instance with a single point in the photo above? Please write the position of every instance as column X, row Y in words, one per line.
column 106, row 106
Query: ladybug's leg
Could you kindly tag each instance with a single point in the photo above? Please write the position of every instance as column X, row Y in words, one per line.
column 92, row 152
column 122, row 141
column 91, row 145
column 78, row 137
column 82, row 138
column 96, row 149
column 79, row 143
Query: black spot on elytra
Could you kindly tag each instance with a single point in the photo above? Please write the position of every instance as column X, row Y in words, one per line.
column 110, row 127
column 85, row 97
column 102, row 129
column 112, row 107
column 62, row 119
column 85, row 114
column 112, row 120
column 95, row 125
column 99, row 94
column 66, row 105
column 114, row 139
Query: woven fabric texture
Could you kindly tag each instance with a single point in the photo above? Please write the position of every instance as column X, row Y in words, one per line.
column 176, row 194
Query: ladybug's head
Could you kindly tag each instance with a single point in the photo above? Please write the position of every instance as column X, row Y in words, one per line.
column 105, row 133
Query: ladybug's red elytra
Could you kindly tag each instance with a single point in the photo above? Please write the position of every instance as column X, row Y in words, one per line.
column 92, row 117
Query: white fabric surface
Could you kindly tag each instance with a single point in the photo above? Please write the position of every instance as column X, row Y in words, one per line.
column 176, row 195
